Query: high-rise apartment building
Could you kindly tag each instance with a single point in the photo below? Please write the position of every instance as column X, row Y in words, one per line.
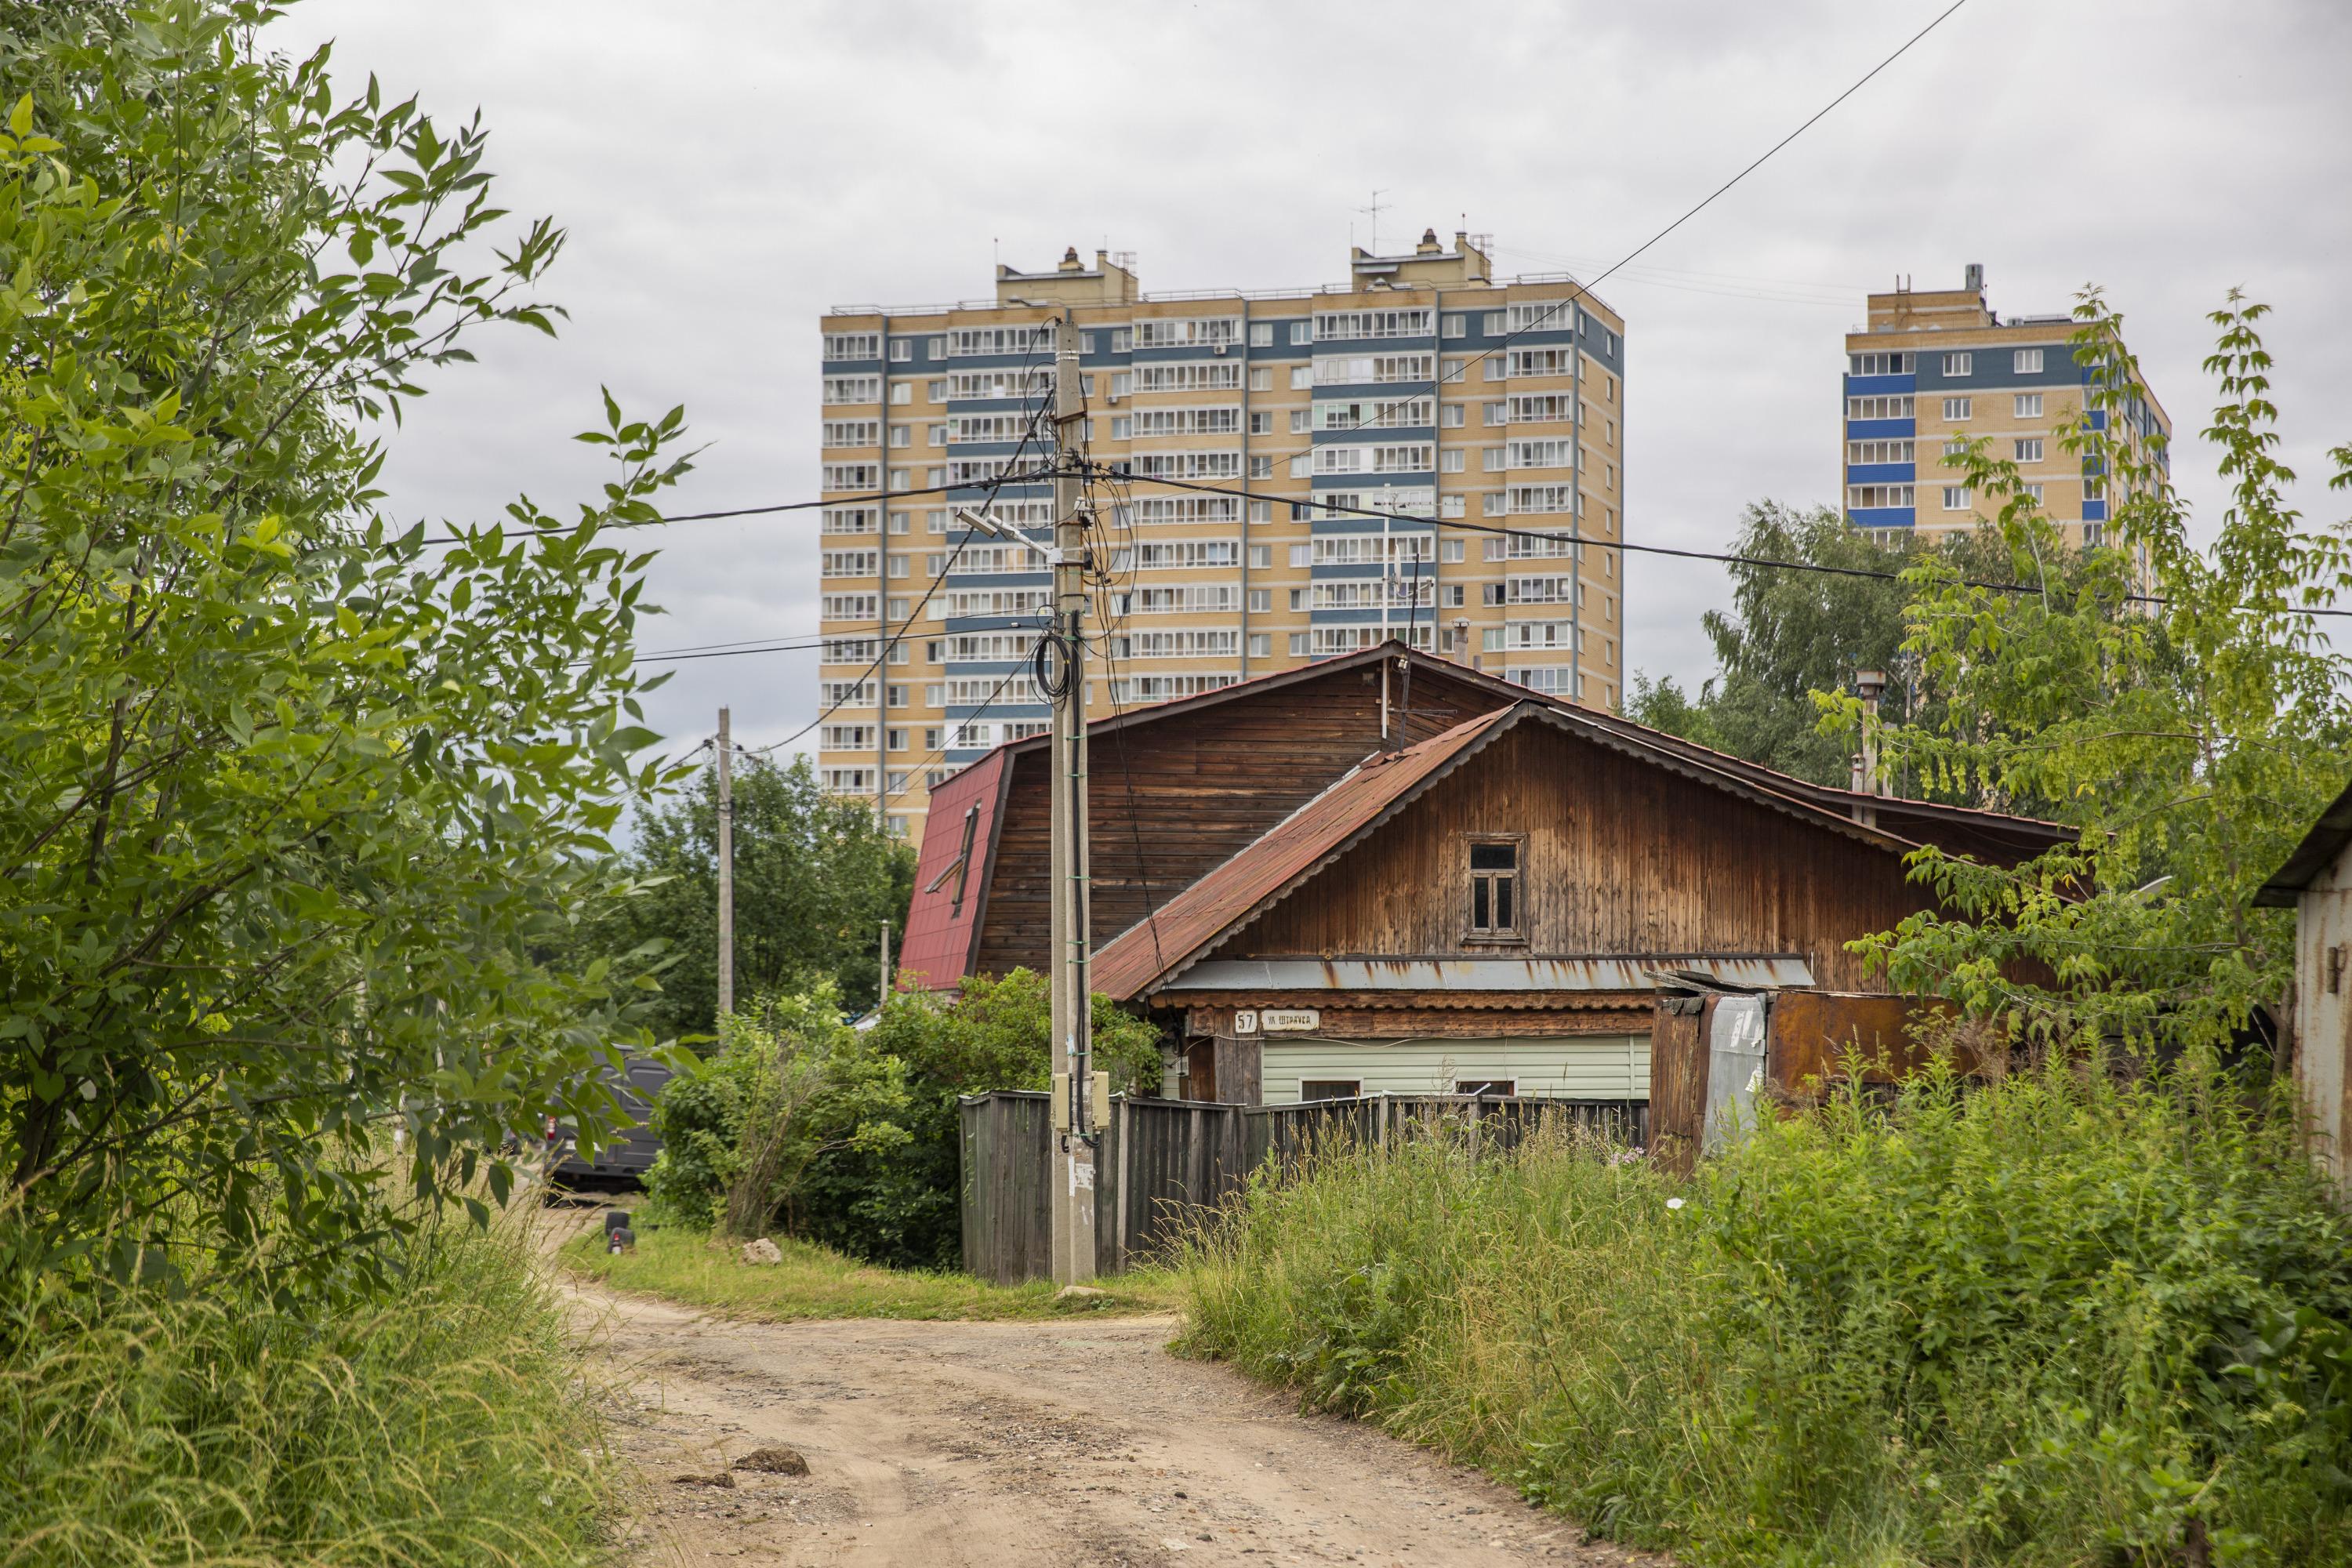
column 1936, row 366
column 1348, row 444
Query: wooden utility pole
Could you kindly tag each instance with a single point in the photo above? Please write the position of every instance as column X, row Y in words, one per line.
column 1072, row 1181
column 726, row 869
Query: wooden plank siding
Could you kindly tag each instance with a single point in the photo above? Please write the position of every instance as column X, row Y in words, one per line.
column 1622, row 857
column 1205, row 785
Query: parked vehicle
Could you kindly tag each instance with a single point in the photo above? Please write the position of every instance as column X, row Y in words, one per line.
column 621, row 1164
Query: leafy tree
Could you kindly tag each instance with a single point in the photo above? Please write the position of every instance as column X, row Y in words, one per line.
column 816, row 876
column 288, row 793
column 1789, row 634
column 853, row 1138
column 2193, row 737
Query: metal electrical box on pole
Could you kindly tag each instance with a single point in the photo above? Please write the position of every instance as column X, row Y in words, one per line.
column 1072, row 1179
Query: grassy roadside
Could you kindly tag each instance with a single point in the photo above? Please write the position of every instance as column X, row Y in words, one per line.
column 2048, row 1322
column 816, row 1282
column 447, row 1424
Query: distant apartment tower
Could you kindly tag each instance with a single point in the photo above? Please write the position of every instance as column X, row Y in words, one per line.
column 1934, row 366
column 1376, row 425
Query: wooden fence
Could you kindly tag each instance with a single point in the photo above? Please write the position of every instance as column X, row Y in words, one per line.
column 1163, row 1166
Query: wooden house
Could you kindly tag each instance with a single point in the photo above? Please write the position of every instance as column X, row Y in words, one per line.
column 1387, row 871
column 2316, row 884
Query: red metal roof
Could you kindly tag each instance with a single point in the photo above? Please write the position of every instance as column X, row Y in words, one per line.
column 1291, row 850
column 951, row 872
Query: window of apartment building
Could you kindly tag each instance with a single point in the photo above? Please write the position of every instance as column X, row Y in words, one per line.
column 1261, row 511
column 1450, row 461
column 935, row 695
column 896, row 696
column 1610, row 482
column 902, row 350
column 2029, row 449
column 1302, row 377
column 1260, row 601
column 1450, row 551
column 902, row 434
column 1450, row 506
column 1122, row 428
column 1261, row 334
column 1882, row 364
column 1122, row 339
column 1490, row 460
column 2094, row 489
column 1960, row 364
column 935, row 521
column 1261, row 378
column 1453, row 326
column 1494, row 889
column 1301, row 464
column 2094, row 535
column 1298, row 645
column 902, row 393
column 1960, row 498
column 1491, row 594
column 1261, row 645
column 935, row 435
column 1261, row 556
column 896, row 740
column 1299, row 598
column 2033, row 492
column 2026, row 362
column 1299, row 418
column 931, row 651
column 1452, row 416
column 1449, row 595
column 935, row 391
column 899, row 520
column 1261, row 467
column 1261, row 422
column 1957, row 409
column 1302, row 331
column 1491, row 504
column 1302, row 555
column 2028, row 405
column 1863, row 497
column 930, row 739
column 901, row 478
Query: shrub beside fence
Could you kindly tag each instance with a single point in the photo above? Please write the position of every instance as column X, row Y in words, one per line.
column 1164, row 1163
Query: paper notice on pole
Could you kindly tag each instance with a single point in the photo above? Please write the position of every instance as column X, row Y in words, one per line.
column 1082, row 1177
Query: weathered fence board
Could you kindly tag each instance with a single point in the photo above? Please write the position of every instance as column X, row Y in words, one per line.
column 1165, row 1164
column 1007, row 1141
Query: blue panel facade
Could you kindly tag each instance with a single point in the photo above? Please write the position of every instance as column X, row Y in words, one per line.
column 1879, row 473
column 1882, row 516
column 1879, row 430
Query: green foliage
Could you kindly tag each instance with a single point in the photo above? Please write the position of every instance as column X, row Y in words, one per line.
column 816, row 876
column 2193, row 735
column 288, row 795
column 853, row 1141
column 2049, row 1320
column 444, row 1423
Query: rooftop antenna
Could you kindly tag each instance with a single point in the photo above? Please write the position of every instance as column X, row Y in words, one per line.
column 1375, row 210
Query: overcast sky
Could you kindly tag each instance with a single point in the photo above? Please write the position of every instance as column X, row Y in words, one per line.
column 728, row 171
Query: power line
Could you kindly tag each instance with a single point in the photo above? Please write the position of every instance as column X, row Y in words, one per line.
column 1584, row 290
column 1724, row 557
column 1008, row 478
column 881, row 658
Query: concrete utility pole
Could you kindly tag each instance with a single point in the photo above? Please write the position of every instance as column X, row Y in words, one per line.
column 726, row 869
column 884, row 999
column 1073, row 1177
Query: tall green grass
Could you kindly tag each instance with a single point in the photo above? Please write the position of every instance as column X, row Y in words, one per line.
column 2050, row 1322
column 447, row 1424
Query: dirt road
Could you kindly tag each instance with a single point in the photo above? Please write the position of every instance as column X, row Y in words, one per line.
column 940, row 1444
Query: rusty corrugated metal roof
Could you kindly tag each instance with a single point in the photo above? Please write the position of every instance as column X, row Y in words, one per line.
column 1290, row 850
column 951, row 872
column 1758, row 971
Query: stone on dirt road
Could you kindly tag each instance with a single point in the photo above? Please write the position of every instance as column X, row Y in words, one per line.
column 719, row 1479
column 1080, row 1293
column 761, row 1251
column 774, row 1462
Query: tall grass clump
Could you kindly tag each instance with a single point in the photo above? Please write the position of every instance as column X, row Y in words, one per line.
column 2052, row 1320
column 443, row 1421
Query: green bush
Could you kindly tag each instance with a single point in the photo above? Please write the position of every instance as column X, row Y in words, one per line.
column 2051, row 1320
column 853, row 1139
column 445, row 1422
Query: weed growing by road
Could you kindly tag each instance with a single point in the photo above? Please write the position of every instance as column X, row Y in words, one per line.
column 2051, row 1320
column 443, row 1423
column 815, row 1282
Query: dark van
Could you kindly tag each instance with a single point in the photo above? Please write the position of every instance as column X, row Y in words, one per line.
column 621, row 1164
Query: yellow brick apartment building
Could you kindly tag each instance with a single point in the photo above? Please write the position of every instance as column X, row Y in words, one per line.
column 1934, row 365
column 1358, row 444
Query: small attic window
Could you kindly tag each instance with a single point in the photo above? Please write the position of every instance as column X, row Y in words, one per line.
column 1495, row 914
